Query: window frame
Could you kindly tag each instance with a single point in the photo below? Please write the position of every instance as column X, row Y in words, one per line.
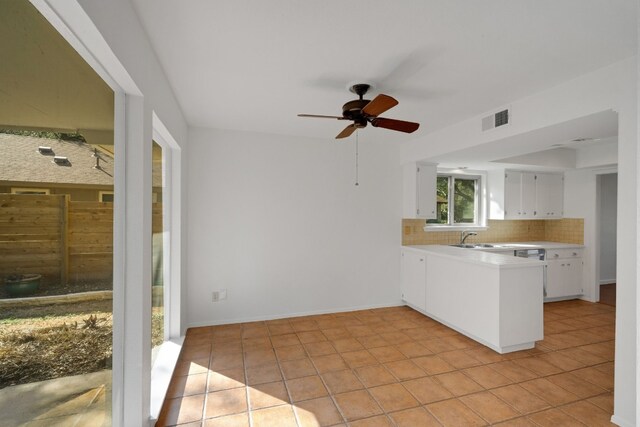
column 480, row 202
column 105, row 193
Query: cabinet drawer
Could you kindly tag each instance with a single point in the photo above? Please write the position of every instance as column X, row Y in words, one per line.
column 564, row 253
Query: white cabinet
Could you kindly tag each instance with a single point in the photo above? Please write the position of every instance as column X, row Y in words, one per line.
column 512, row 192
column 549, row 195
column 519, row 195
column 419, row 190
column 564, row 273
column 528, row 195
column 413, row 279
column 532, row 195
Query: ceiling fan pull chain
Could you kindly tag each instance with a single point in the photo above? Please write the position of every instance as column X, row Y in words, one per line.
column 357, row 157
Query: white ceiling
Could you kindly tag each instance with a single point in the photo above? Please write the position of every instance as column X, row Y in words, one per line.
column 253, row 65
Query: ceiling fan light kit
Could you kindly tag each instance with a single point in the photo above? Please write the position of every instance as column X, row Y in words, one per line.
column 363, row 111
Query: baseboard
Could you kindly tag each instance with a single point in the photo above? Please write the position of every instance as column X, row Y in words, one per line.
column 297, row 314
column 621, row 422
column 607, row 281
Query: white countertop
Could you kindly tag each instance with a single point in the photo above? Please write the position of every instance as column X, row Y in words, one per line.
column 478, row 257
column 533, row 245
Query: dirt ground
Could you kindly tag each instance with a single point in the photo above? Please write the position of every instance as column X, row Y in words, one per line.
column 40, row 343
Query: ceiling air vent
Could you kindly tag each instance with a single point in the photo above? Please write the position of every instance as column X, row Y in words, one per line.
column 61, row 161
column 46, row 151
column 493, row 121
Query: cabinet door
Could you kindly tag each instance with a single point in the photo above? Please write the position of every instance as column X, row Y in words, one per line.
column 573, row 277
column 413, row 283
column 549, row 195
column 556, row 196
column 564, row 277
column 555, row 270
column 512, row 195
column 528, row 198
column 426, row 194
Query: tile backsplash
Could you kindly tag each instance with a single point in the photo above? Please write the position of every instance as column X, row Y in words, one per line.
column 566, row 230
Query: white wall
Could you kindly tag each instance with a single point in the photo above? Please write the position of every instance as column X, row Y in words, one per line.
column 610, row 88
column 279, row 223
column 608, row 227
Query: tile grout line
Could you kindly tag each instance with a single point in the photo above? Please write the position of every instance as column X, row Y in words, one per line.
column 206, row 387
column 284, row 380
column 246, row 379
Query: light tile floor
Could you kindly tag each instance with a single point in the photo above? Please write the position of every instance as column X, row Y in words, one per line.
column 393, row 367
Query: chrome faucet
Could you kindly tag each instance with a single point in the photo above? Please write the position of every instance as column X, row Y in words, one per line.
column 466, row 233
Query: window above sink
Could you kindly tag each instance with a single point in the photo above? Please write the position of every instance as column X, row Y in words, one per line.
column 460, row 201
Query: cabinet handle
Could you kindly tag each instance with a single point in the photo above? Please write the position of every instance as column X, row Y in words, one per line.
column 421, row 259
column 575, row 253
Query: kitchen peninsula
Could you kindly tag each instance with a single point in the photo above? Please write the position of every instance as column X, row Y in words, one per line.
column 493, row 298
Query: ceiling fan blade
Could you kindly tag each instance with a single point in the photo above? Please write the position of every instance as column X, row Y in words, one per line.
column 318, row 116
column 346, row 131
column 379, row 105
column 399, row 125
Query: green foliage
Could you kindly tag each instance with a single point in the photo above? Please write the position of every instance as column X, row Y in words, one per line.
column 463, row 200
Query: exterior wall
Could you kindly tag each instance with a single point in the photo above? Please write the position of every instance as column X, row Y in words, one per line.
column 76, row 194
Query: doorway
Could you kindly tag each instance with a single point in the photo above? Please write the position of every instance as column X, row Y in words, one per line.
column 607, row 187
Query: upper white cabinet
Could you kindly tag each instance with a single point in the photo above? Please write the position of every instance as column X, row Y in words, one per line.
column 549, row 195
column 419, row 190
column 525, row 195
column 519, row 195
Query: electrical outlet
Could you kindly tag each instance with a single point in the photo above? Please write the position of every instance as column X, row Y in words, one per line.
column 219, row 295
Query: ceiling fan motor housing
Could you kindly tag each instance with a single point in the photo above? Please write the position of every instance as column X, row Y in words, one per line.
column 352, row 110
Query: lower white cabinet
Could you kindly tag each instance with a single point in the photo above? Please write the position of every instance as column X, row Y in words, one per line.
column 414, row 277
column 564, row 273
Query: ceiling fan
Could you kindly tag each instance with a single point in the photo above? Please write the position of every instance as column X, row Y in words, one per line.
column 363, row 111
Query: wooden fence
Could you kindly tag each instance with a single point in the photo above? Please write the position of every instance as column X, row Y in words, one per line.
column 65, row 241
column 32, row 238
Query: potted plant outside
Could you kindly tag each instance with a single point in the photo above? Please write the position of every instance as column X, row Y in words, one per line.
column 18, row 285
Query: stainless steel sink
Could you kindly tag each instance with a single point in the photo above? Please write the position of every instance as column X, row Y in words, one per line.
column 470, row 246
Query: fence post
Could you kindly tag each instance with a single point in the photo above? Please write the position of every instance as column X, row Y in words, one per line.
column 64, row 238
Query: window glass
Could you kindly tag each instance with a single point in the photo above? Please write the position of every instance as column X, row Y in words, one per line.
column 464, row 201
column 442, row 204
column 456, row 200
column 158, row 288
